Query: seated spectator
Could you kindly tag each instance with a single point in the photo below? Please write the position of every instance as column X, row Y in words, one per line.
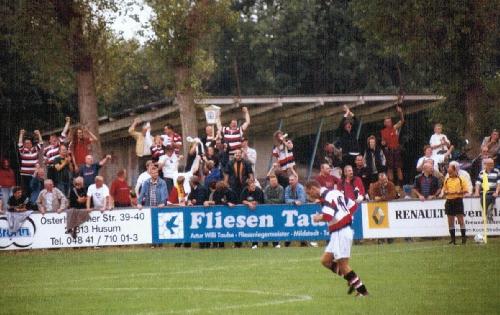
column 153, row 191
column 143, row 142
column 478, row 162
column 51, row 199
column 169, row 164
column 157, row 149
column 280, row 175
column 333, row 156
column 363, row 172
column 426, row 185
column 178, row 196
column 374, row 159
column 120, row 191
column 7, row 181
column 51, row 150
column 212, row 174
column 392, row 149
column 36, row 186
column 493, row 175
column 90, row 170
column 493, row 144
column 351, row 185
column 439, row 143
column 98, row 196
column 211, row 154
column 28, row 156
column 251, row 196
column 18, row 210
column 294, row 192
column 325, row 179
column 63, row 170
column 383, row 189
column 237, row 172
column 76, row 213
column 82, row 138
column 198, row 194
column 171, row 138
column 144, row 176
column 348, row 138
column 274, row 193
column 224, row 195
column 232, row 136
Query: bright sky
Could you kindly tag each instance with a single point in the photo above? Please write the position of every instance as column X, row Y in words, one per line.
column 128, row 26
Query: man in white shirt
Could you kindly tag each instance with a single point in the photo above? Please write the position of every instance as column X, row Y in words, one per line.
column 99, row 194
column 439, row 142
column 169, row 163
column 144, row 176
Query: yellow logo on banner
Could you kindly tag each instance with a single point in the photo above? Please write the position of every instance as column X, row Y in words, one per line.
column 378, row 215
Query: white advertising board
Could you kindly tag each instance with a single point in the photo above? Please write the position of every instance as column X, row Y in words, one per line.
column 117, row 227
column 415, row 218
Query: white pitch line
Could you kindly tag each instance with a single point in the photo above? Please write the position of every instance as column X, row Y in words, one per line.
column 289, row 298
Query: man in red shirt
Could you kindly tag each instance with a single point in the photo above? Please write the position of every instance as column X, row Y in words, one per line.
column 120, row 191
column 351, row 185
column 390, row 141
column 326, row 179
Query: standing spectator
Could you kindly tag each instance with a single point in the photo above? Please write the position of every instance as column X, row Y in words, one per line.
column 144, row 176
column 120, row 191
column 363, row 172
column 333, row 156
column 212, row 174
column 76, row 213
column 178, row 196
column 143, row 142
column 493, row 175
column 374, row 158
column 212, row 154
column 232, row 136
column 36, row 186
column 283, row 152
column 157, row 149
column 426, row 185
column 348, row 139
column 209, row 139
column 224, row 195
column 98, row 195
column 18, row 210
column 428, row 157
column 170, row 137
column 51, row 199
column 248, row 153
column 493, row 144
column 7, row 181
column 237, row 172
column 169, row 163
column 478, row 162
column 325, row 179
column 63, row 168
column 90, row 170
column 251, row 196
column 153, row 192
column 351, row 185
column 28, row 154
column 383, row 189
column 439, row 142
column 274, row 193
column 82, row 139
column 390, row 140
column 454, row 188
column 51, row 150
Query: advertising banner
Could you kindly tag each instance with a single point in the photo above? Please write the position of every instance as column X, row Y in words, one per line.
column 415, row 218
column 239, row 224
column 117, row 227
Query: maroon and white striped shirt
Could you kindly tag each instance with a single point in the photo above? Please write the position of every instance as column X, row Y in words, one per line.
column 233, row 138
column 29, row 159
column 284, row 156
column 51, row 152
column 175, row 141
column 156, row 152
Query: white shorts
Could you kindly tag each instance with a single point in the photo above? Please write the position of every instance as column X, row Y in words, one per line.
column 340, row 243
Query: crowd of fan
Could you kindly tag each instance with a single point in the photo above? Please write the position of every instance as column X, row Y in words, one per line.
column 219, row 169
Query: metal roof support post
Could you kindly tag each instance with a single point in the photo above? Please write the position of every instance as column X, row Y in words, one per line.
column 359, row 128
column 280, row 125
column 316, row 142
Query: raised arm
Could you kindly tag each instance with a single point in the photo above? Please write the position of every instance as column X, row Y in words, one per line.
column 247, row 118
column 64, row 132
column 401, row 121
column 105, row 160
column 21, row 136
column 91, row 135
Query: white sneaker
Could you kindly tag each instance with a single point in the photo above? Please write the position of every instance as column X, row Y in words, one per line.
column 277, row 246
column 313, row 244
column 254, row 247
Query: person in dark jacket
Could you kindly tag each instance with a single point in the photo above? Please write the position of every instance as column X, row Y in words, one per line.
column 251, row 196
column 374, row 159
column 347, row 137
column 237, row 172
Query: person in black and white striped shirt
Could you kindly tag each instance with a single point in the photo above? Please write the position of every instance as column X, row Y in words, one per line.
column 494, row 186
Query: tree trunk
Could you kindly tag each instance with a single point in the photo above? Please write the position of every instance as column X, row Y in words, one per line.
column 472, row 98
column 87, row 103
column 185, row 100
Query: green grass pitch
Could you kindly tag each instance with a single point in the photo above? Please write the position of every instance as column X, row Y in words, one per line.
column 403, row 278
